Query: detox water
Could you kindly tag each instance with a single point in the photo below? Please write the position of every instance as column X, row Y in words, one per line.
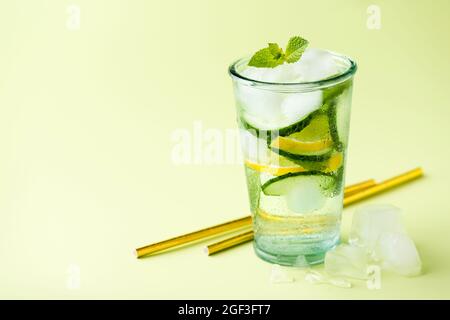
column 294, row 125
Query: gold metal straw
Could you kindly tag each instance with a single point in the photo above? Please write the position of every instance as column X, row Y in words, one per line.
column 194, row 236
column 219, row 229
column 385, row 185
column 354, row 197
column 354, row 188
column 229, row 243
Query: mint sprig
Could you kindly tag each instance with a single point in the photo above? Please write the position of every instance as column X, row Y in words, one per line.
column 273, row 55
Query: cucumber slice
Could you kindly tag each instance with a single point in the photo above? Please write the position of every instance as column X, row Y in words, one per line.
column 319, row 157
column 335, row 91
column 282, row 185
column 332, row 110
column 262, row 130
column 337, row 110
column 343, row 116
column 339, row 117
column 272, row 125
column 339, row 180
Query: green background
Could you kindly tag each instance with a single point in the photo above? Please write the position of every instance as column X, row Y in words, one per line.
column 85, row 135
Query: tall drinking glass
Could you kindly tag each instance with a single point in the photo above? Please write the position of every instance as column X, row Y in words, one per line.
column 294, row 137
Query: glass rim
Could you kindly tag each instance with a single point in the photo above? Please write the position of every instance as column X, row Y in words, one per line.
column 295, row 86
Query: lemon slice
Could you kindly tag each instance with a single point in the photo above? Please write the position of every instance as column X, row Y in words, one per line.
column 335, row 162
column 286, row 166
column 272, row 169
column 274, row 164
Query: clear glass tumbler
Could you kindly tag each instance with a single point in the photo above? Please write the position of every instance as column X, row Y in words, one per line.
column 294, row 139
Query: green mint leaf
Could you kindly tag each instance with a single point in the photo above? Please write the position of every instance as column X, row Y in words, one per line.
column 295, row 48
column 273, row 55
column 275, row 50
column 269, row 57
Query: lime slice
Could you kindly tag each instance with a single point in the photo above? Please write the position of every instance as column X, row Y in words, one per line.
column 313, row 140
column 317, row 131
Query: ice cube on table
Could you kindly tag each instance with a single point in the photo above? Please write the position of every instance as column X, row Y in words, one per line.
column 315, row 277
column 339, row 282
column 281, row 274
column 347, row 261
column 305, row 197
column 398, row 254
column 371, row 221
